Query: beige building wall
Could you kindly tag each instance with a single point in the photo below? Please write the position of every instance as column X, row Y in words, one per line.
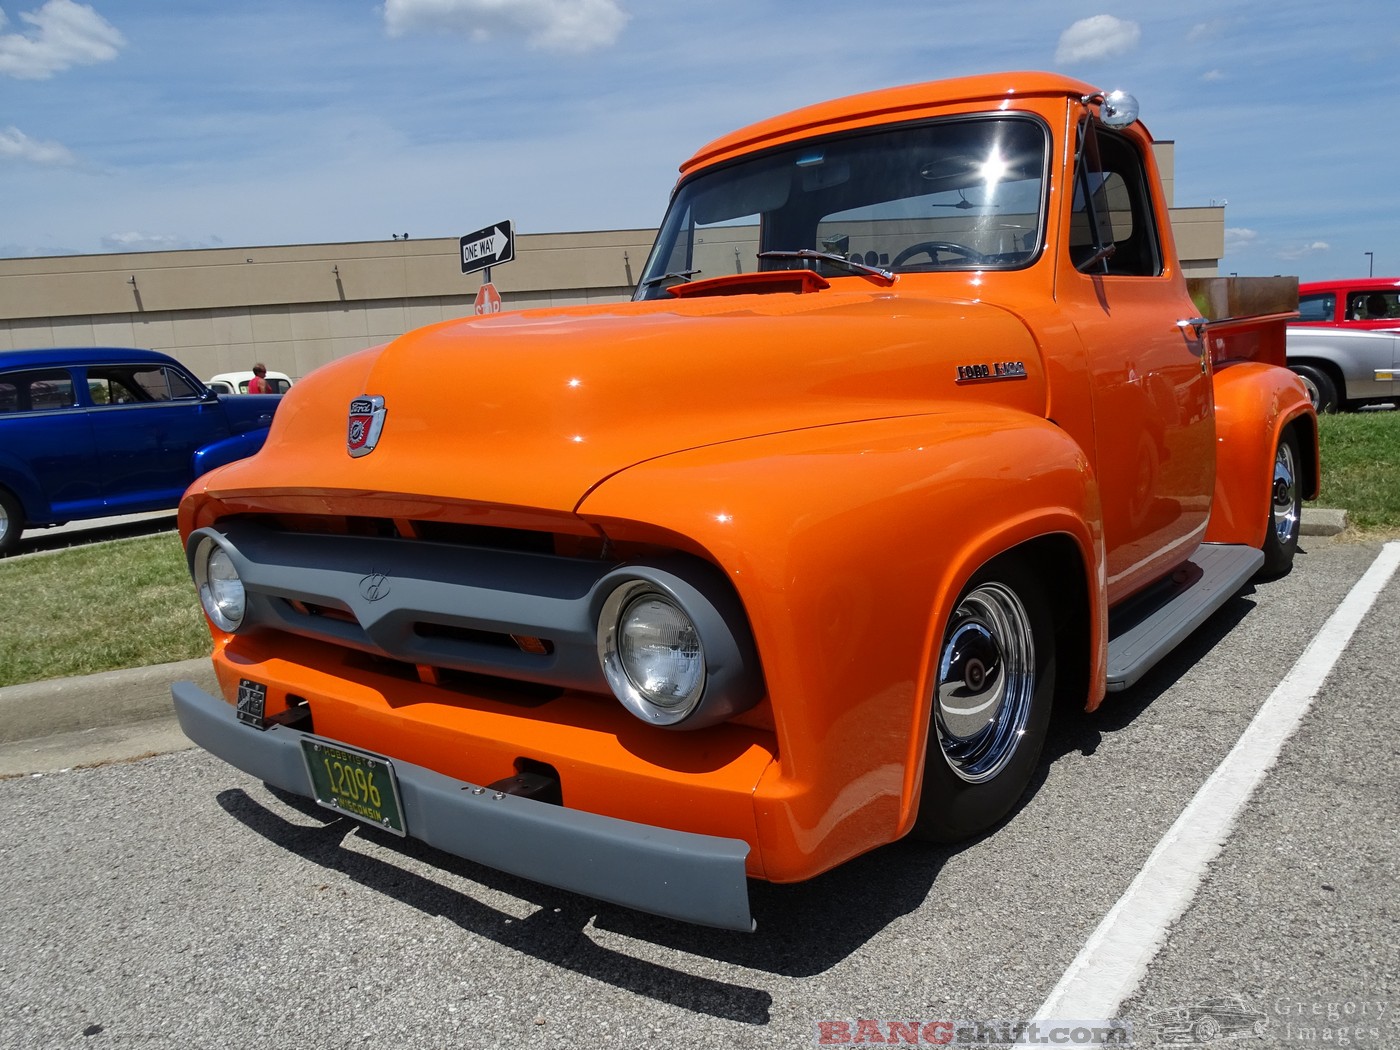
column 297, row 307
column 293, row 307
column 1200, row 239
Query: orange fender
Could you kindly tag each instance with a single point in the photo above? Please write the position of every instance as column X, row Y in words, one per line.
column 1253, row 404
column 848, row 546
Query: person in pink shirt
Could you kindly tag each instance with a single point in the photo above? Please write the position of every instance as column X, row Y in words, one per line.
column 259, row 384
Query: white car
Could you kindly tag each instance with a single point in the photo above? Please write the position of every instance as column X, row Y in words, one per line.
column 237, row 382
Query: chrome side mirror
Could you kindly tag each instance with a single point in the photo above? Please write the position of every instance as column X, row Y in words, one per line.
column 1119, row 109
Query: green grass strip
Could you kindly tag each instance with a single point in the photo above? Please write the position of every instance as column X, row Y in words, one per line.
column 124, row 603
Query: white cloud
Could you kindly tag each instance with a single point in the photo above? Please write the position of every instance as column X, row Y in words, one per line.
column 552, row 25
column 16, row 145
column 1302, row 250
column 63, row 34
column 1204, row 31
column 1237, row 237
column 1101, row 36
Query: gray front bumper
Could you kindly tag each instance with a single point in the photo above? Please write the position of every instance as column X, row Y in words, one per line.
column 695, row 878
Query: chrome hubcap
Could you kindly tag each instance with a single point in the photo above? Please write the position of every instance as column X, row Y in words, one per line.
column 1286, row 504
column 986, row 681
column 1314, row 395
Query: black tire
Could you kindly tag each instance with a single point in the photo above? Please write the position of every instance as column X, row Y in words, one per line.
column 997, row 649
column 11, row 522
column 1322, row 391
column 1285, row 508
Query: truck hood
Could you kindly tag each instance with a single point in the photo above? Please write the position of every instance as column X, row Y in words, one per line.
column 534, row 409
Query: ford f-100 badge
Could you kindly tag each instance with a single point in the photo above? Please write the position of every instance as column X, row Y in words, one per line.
column 366, row 421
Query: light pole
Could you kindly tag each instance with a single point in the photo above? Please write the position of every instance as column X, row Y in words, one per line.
column 1370, row 263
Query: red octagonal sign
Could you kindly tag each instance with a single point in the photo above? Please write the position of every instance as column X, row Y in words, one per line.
column 488, row 300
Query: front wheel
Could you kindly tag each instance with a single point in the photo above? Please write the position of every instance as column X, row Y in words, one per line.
column 11, row 522
column 1285, row 509
column 991, row 703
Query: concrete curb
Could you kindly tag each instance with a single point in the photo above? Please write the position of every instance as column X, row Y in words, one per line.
column 1323, row 521
column 115, row 698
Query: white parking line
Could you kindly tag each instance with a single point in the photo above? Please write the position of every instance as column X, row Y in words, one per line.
column 1115, row 958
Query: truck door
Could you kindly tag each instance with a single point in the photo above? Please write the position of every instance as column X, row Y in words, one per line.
column 1154, row 423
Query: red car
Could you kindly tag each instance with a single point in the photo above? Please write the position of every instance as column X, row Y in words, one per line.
column 1366, row 302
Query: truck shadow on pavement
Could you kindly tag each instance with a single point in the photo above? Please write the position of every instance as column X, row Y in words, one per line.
column 803, row 929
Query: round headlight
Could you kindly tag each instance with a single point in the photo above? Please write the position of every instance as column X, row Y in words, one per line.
column 652, row 655
column 221, row 592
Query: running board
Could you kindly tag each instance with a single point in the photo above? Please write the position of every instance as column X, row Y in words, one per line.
column 1152, row 624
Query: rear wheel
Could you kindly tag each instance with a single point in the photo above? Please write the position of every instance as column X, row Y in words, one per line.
column 1322, row 391
column 991, row 703
column 11, row 522
column 1285, row 508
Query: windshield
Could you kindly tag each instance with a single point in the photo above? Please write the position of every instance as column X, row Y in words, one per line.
column 951, row 195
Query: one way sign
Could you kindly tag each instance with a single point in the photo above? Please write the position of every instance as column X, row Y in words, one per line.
column 489, row 247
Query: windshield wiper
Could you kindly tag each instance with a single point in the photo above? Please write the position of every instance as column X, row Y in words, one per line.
column 674, row 275
column 832, row 257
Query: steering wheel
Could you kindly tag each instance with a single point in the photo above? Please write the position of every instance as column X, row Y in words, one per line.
column 932, row 248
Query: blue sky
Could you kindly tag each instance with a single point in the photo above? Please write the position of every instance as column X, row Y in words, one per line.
column 149, row 124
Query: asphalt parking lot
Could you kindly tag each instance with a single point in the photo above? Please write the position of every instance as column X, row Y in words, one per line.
column 170, row 900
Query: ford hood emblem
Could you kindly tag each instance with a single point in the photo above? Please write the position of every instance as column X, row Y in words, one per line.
column 366, row 422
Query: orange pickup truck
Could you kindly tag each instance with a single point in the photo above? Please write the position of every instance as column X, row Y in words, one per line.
column 912, row 429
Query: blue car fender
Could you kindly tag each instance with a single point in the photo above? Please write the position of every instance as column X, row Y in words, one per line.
column 16, row 476
column 227, row 450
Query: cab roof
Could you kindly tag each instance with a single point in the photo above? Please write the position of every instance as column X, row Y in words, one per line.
column 62, row 357
column 1356, row 284
column 877, row 107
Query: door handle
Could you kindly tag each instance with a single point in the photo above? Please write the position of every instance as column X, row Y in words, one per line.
column 1196, row 324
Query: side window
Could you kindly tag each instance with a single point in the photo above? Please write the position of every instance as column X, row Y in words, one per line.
column 154, row 383
column 110, row 389
column 129, row 384
column 179, row 385
column 1317, row 307
column 1372, row 306
column 40, row 390
column 1113, row 228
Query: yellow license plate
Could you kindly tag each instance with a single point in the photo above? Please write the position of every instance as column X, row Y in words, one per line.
column 355, row 783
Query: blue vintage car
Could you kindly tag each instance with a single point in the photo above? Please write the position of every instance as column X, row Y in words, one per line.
column 92, row 432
